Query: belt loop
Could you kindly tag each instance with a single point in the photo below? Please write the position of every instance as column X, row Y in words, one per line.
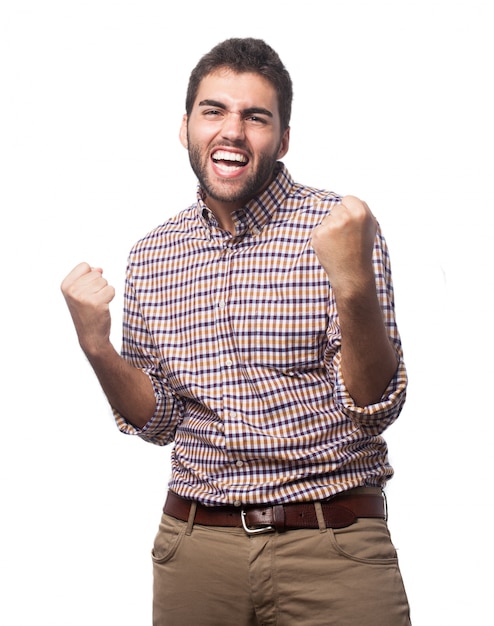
column 320, row 517
column 190, row 520
column 279, row 517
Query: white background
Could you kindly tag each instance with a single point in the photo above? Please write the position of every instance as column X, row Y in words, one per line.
column 393, row 103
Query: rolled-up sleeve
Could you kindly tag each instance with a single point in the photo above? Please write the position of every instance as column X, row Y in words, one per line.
column 374, row 418
column 160, row 429
column 139, row 349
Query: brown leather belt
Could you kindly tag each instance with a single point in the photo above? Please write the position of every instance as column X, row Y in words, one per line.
column 339, row 511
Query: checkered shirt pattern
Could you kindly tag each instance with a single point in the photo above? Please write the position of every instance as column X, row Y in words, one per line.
column 239, row 335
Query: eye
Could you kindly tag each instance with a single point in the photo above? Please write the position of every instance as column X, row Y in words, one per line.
column 212, row 113
column 256, row 119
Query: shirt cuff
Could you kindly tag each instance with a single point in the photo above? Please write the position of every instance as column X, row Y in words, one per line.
column 374, row 418
column 157, row 430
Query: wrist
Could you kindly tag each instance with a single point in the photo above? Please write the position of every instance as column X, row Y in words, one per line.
column 355, row 288
column 97, row 349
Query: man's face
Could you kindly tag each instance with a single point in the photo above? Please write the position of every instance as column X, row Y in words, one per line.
column 234, row 138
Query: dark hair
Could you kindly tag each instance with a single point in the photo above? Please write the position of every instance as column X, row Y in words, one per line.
column 245, row 55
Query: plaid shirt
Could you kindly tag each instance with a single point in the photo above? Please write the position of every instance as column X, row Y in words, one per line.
column 239, row 335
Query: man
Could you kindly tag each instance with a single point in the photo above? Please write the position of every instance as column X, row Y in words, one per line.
column 259, row 336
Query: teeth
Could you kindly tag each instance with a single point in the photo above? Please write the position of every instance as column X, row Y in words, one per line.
column 223, row 155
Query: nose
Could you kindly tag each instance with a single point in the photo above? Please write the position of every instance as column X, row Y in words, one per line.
column 233, row 127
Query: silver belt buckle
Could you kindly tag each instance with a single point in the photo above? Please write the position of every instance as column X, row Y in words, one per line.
column 254, row 531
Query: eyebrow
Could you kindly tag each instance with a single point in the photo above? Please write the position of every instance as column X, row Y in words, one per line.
column 248, row 111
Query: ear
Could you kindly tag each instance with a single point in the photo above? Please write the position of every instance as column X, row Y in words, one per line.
column 183, row 132
column 285, row 142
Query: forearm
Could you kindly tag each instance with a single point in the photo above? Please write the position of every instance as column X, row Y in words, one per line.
column 128, row 389
column 368, row 357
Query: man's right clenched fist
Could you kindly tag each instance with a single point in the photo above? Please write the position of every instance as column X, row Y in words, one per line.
column 88, row 296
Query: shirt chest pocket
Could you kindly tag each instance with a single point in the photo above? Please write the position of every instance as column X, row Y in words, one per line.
column 285, row 333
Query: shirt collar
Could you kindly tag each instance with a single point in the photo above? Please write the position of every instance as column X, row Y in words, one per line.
column 259, row 211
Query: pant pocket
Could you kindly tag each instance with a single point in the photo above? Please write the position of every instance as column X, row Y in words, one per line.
column 168, row 539
column 366, row 541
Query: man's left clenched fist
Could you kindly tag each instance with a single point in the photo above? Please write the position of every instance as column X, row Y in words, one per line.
column 343, row 243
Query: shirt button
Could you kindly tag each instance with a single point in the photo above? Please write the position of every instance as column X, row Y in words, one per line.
column 228, row 362
column 237, row 503
column 221, row 304
column 239, row 463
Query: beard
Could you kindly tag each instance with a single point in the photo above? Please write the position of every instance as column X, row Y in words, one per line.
column 229, row 191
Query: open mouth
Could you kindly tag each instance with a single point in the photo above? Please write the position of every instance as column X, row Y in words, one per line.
column 229, row 161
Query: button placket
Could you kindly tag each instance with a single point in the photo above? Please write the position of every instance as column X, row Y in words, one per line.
column 226, row 354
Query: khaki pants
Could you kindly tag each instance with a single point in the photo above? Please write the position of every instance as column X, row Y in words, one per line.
column 211, row 576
